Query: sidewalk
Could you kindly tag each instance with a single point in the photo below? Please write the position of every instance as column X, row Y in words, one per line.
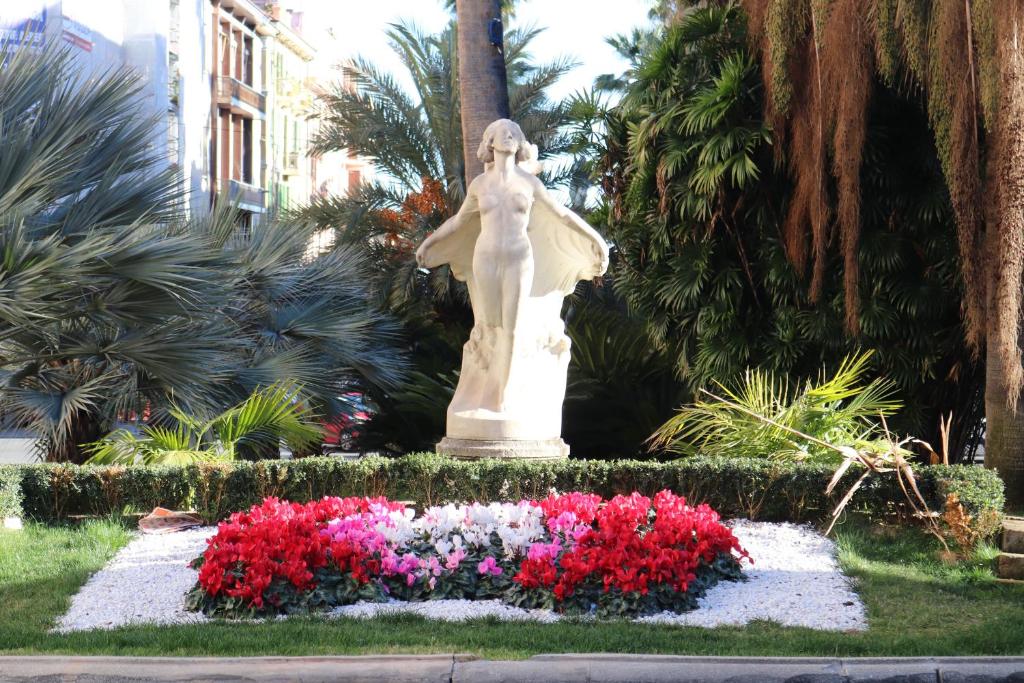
column 569, row 668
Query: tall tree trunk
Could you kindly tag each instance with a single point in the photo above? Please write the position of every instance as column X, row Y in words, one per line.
column 1004, row 430
column 483, row 88
column 1004, row 400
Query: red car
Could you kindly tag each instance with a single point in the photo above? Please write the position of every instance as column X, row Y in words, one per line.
column 342, row 431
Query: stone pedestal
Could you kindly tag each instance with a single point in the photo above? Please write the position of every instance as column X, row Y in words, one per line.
column 478, row 449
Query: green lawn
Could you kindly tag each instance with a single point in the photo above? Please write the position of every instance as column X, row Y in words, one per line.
column 917, row 606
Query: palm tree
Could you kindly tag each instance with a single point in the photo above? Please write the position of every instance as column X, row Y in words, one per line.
column 483, row 89
column 418, row 135
column 694, row 194
column 111, row 305
column 964, row 60
column 90, row 280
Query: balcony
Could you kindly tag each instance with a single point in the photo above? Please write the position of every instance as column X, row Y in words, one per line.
column 244, row 196
column 240, row 98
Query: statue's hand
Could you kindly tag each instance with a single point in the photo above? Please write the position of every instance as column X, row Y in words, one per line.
column 421, row 260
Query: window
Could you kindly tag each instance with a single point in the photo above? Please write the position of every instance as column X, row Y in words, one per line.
column 247, row 151
column 225, row 50
column 247, row 61
column 355, row 177
column 224, row 144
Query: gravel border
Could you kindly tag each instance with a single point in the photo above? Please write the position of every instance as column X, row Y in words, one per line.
column 145, row 583
column 794, row 581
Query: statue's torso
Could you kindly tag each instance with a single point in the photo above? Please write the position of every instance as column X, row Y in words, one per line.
column 504, row 217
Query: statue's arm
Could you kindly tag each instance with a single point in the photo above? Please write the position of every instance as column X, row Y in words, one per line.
column 574, row 222
column 469, row 207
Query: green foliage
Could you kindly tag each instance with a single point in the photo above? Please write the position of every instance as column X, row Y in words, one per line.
column 757, row 488
column 258, row 423
column 10, row 491
column 696, row 200
column 91, row 275
column 110, row 303
column 976, row 489
column 620, row 387
column 841, row 410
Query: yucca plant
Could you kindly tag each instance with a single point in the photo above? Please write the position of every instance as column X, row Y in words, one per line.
column 763, row 416
column 260, row 422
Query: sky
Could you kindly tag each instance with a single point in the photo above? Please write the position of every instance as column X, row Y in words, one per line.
column 574, row 28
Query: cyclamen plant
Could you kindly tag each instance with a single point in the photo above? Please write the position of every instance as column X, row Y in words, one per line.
column 573, row 552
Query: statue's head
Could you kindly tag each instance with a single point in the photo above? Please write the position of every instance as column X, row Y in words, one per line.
column 506, row 136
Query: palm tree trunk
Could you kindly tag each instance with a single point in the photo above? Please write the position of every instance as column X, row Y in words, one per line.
column 483, row 89
column 1004, row 431
column 1004, row 400
column 85, row 428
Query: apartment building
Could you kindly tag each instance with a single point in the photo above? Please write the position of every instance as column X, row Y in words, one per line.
column 231, row 84
column 291, row 169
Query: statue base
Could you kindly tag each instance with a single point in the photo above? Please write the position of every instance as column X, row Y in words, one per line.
column 508, row 449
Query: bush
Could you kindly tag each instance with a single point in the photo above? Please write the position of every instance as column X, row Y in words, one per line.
column 755, row 488
column 10, row 492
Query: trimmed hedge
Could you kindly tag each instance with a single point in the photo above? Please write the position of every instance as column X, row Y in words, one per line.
column 754, row 488
column 10, row 491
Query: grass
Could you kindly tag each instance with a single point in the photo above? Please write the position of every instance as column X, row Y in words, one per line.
column 916, row 604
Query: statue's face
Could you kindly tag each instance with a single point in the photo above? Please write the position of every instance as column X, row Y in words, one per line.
column 505, row 139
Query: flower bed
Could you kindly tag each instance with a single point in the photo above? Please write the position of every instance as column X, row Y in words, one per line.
column 574, row 553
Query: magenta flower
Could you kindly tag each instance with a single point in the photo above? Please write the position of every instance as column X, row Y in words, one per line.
column 489, row 566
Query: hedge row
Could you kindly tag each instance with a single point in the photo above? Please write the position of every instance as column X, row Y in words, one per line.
column 10, row 492
column 757, row 489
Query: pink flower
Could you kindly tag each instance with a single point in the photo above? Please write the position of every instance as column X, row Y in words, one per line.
column 489, row 566
column 544, row 551
column 456, row 556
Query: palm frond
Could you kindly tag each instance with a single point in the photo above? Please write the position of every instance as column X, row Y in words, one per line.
column 763, row 417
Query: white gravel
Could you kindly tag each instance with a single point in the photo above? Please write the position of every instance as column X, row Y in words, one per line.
column 794, row 581
column 145, row 583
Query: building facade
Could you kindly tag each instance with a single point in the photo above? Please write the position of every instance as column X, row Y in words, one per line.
column 230, row 83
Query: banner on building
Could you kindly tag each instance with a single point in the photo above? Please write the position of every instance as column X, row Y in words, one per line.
column 74, row 14
column 23, row 22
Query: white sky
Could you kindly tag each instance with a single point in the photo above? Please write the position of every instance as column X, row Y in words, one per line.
column 574, row 28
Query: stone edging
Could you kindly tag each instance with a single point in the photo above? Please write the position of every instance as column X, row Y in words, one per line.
column 458, row 668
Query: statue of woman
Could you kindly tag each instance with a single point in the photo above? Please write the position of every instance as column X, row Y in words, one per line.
column 520, row 253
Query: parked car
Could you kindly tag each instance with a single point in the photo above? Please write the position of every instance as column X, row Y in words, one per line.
column 342, row 432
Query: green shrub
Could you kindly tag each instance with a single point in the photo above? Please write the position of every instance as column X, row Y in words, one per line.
column 977, row 488
column 54, row 492
column 10, row 491
column 758, row 488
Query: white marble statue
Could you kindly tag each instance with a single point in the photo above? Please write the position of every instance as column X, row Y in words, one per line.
column 520, row 253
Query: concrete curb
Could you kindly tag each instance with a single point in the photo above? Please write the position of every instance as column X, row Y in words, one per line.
column 569, row 668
